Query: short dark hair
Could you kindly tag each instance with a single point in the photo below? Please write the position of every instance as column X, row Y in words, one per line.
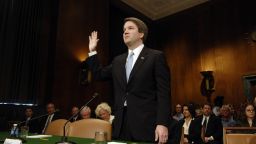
column 208, row 104
column 142, row 27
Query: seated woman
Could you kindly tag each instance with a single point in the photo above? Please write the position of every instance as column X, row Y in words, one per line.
column 189, row 114
column 103, row 111
column 249, row 120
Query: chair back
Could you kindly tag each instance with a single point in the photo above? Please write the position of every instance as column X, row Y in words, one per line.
column 235, row 135
column 56, row 127
column 86, row 128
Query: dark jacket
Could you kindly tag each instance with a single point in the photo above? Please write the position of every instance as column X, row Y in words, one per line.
column 214, row 128
column 33, row 125
column 147, row 92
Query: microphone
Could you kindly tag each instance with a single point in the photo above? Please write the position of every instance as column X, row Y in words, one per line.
column 38, row 117
column 34, row 118
column 64, row 139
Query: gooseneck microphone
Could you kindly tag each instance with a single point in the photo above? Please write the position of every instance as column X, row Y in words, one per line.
column 34, row 118
column 38, row 117
column 64, row 139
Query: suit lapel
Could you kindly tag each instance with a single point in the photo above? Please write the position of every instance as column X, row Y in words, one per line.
column 123, row 69
column 140, row 60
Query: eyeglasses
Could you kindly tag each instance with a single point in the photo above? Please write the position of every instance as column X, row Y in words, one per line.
column 250, row 110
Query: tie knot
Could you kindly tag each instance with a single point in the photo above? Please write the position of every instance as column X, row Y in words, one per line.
column 131, row 54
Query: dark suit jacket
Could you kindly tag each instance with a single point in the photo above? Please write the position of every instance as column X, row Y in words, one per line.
column 44, row 119
column 179, row 130
column 174, row 137
column 147, row 92
column 32, row 124
column 245, row 123
column 214, row 128
column 78, row 118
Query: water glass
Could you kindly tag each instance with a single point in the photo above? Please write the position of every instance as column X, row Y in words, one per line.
column 100, row 138
column 24, row 131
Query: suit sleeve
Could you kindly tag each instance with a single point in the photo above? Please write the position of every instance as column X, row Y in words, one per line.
column 162, row 77
column 98, row 72
column 219, row 129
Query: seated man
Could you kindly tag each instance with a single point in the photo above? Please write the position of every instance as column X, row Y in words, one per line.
column 32, row 124
column 206, row 129
column 50, row 108
column 226, row 117
column 75, row 111
column 85, row 113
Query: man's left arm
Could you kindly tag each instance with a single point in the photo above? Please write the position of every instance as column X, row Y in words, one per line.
column 162, row 76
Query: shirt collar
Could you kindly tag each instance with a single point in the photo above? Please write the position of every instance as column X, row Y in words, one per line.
column 137, row 50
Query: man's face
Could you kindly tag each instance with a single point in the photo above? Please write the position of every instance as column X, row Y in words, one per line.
column 207, row 110
column 131, row 33
column 85, row 114
column 74, row 110
column 28, row 112
column 50, row 108
column 225, row 112
column 178, row 108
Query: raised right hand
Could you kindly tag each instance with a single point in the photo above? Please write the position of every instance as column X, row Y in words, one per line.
column 93, row 41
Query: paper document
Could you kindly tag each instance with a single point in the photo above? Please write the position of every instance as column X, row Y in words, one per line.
column 115, row 143
column 39, row 136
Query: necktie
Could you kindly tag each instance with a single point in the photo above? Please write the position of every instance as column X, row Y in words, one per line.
column 203, row 130
column 47, row 123
column 129, row 63
column 205, row 124
column 27, row 121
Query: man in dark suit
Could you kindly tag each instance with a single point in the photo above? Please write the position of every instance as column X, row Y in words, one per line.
column 141, row 82
column 207, row 129
column 32, row 124
column 75, row 111
column 52, row 115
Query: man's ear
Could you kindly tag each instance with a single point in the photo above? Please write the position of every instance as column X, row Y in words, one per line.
column 141, row 35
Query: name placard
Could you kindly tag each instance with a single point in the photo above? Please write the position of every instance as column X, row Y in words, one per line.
column 12, row 141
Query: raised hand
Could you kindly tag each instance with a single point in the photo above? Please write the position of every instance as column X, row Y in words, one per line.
column 93, row 41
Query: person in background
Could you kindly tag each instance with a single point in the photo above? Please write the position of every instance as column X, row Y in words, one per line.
column 218, row 102
column 52, row 115
column 226, row 116
column 75, row 111
column 178, row 113
column 249, row 119
column 199, row 111
column 189, row 115
column 216, row 111
column 206, row 129
column 32, row 124
column 103, row 111
column 85, row 113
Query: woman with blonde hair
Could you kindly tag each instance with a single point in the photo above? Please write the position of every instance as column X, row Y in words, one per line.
column 103, row 111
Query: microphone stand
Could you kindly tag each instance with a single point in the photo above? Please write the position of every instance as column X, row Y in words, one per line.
column 64, row 139
column 18, row 124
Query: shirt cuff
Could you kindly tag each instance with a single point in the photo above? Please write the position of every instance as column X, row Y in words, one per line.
column 92, row 53
column 211, row 138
